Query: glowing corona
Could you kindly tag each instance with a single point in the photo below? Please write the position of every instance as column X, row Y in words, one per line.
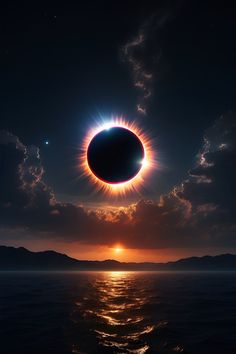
column 132, row 185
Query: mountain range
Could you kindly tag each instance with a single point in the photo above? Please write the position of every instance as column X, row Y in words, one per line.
column 14, row 259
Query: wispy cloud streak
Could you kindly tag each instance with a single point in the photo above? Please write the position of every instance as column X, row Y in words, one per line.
column 142, row 55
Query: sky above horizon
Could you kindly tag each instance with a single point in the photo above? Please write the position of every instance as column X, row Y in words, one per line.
column 168, row 69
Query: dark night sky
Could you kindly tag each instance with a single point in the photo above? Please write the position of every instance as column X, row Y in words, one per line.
column 61, row 66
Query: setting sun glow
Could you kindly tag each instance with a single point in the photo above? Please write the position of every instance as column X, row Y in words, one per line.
column 118, row 250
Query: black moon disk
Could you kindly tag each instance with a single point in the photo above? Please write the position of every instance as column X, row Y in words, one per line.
column 115, row 155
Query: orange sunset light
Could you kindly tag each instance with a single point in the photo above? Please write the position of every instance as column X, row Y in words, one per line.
column 118, row 250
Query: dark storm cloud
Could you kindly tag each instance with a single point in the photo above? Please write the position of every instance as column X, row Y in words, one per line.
column 26, row 201
column 200, row 212
column 142, row 54
column 21, row 187
column 212, row 181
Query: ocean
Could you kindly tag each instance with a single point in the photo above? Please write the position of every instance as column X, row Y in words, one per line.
column 117, row 312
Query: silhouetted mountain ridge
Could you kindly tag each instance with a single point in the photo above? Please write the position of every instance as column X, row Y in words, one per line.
column 12, row 258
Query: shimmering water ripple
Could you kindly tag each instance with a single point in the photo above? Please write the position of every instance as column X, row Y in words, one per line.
column 115, row 313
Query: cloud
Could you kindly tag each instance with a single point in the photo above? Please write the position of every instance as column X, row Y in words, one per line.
column 212, row 181
column 198, row 213
column 22, row 190
column 142, row 54
column 26, row 201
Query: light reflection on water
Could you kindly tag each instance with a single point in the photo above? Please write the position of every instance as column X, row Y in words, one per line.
column 115, row 312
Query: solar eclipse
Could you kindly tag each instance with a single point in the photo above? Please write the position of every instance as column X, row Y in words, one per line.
column 116, row 156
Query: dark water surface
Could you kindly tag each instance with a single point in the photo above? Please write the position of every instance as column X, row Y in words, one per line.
column 117, row 312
